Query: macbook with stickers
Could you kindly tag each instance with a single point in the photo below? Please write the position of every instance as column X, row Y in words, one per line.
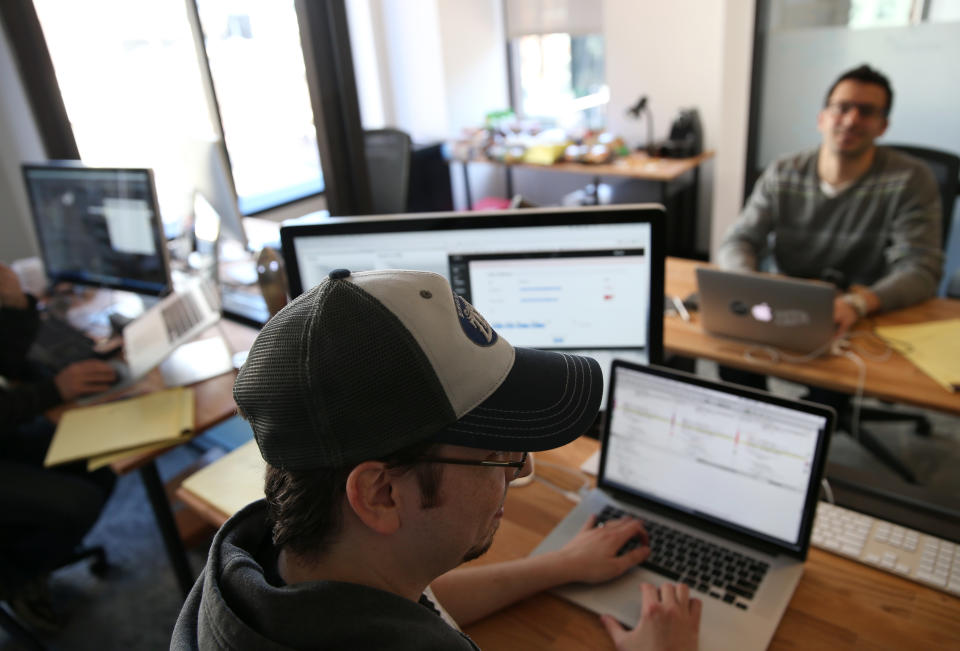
column 767, row 309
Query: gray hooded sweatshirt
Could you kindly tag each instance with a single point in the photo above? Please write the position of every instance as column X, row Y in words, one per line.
column 239, row 602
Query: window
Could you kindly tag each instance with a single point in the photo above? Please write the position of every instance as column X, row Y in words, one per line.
column 257, row 68
column 559, row 79
column 131, row 85
column 136, row 94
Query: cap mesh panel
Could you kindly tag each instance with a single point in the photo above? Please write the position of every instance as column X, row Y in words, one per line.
column 335, row 379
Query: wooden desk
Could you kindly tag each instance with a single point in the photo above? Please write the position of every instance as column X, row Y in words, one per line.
column 839, row 604
column 680, row 231
column 896, row 379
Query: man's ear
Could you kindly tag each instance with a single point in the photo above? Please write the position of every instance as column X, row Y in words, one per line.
column 370, row 494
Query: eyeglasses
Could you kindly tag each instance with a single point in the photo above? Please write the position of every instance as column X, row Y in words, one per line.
column 509, row 460
column 866, row 111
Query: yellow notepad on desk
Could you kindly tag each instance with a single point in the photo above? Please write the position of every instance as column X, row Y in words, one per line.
column 151, row 420
column 933, row 346
column 232, row 481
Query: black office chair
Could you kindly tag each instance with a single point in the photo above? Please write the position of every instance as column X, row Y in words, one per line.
column 953, row 286
column 946, row 170
column 21, row 633
column 388, row 154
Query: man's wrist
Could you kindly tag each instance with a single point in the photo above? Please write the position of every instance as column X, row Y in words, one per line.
column 858, row 303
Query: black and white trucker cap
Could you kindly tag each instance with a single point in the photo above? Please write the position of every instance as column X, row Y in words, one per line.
column 365, row 364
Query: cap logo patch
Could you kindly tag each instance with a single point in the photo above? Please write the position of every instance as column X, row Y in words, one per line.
column 474, row 325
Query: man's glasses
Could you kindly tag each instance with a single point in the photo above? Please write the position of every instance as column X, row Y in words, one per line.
column 866, row 111
column 504, row 460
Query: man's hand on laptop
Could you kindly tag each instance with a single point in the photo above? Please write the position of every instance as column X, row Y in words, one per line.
column 669, row 621
column 84, row 378
column 592, row 553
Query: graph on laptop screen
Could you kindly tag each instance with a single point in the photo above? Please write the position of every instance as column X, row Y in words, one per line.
column 733, row 458
column 585, row 279
column 99, row 226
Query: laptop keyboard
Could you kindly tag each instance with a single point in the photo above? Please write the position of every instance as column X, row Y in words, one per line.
column 58, row 344
column 181, row 315
column 705, row 566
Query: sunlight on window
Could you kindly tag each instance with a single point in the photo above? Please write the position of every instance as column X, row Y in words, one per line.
column 880, row 13
column 257, row 67
column 561, row 78
column 128, row 73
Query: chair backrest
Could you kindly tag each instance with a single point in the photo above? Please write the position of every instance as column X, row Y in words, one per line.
column 953, row 285
column 388, row 166
column 946, row 169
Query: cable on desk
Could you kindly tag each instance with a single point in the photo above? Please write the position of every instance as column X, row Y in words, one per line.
column 858, row 396
column 842, row 347
column 775, row 355
column 827, row 491
column 570, row 495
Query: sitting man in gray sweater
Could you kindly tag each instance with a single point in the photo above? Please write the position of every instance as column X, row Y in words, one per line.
column 848, row 210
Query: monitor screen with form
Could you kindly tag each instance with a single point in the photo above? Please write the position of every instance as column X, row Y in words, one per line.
column 584, row 279
column 734, row 458
column 99, row 226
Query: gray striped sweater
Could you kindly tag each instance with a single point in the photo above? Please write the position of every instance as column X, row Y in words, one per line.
column 883, row 231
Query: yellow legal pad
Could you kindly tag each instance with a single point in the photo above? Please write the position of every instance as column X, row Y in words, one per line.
column 145, row 422
column 933, row 346
column 232, row 481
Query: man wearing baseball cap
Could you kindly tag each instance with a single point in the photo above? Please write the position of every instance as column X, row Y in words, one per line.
column 392, row 418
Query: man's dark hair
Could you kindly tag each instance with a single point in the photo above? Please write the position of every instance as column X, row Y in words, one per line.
column 305, row 505
column 866, row 75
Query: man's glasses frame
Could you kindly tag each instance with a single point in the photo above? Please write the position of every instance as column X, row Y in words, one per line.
column 865, row 110
column 518, row 465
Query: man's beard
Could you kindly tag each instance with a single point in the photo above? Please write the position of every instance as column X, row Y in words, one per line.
column 863, row 147
column 481, row 548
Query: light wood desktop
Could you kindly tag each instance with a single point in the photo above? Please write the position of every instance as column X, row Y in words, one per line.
column 839, row 604
column 635, row 166
column 896, row 379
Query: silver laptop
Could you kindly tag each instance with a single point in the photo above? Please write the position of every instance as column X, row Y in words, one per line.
column 784, row 312
column 725, row 480
column 175, row 320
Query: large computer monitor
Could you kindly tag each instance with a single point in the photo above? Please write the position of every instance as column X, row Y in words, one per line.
column 99, row 226
column 586, row 279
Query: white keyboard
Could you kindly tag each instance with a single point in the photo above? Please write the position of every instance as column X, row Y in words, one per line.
column 906, row 552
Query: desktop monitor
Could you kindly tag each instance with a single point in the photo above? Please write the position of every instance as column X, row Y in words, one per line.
column 99, row 226
column 586, row 279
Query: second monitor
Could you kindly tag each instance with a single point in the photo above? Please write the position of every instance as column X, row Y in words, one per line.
column 586, row 279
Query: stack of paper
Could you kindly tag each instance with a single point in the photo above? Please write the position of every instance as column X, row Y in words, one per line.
column 231, row 482
column 933, row 346
column 116, row 430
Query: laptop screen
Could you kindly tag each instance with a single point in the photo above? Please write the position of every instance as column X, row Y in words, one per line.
column 589, row 278
column 99, row 226
column 738, row 458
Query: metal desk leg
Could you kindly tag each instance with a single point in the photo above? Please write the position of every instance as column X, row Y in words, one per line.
column 168, row 526
column 466, row 185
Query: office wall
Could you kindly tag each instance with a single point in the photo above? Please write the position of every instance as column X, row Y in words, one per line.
column 19, row 141
column 730, row 164
column 437, row 66
column 669, row 51
column 801, row 63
